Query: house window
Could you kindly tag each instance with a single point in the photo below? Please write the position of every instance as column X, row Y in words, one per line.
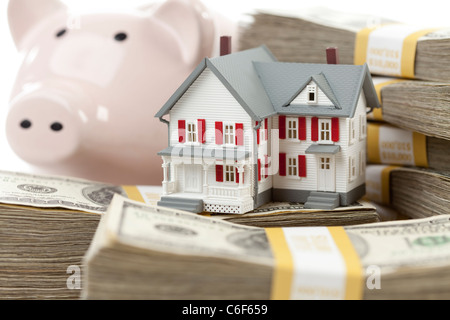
column 363, row 126
column 324, row 163
column 292, row 128
column 362, row 162
column 229, row 134
column 191, row 132
column 229, row 174
column 352, row 168
column 292, row 166
column 352, row 131
column 325, row 131
column 312, row 93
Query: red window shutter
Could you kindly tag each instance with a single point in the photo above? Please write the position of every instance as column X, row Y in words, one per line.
column 302, row 166
column 266, row 166
column 302, row 128
column 238, row 176
column 182, row 131
column 219, row 173
column 258, row 131
column 266, row 129
column 314, row 129
column 239, row 134
column 201, row 130
column 335, row 129
column 259, row 169
column 282, row 164
column 219, row 132
column 282, row 126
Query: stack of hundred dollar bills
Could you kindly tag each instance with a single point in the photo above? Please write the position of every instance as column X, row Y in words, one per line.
column 149, row 252
column 47, row 223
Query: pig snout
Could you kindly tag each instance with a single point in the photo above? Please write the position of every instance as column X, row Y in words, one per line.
column 43, row 127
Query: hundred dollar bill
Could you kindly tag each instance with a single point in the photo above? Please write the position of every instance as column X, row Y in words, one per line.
column 166, row 229
column 56, row 192
column 406, row 243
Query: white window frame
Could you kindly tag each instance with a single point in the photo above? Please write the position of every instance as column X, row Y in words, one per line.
column 312, row 88
column 324, row 132
column 291, row 132
column 292, row 166
column 229, row 136
column 191, row 135
column 362, row 163
column 352, row 168
column 352, row 131
column 229, row 173
column 362, row 126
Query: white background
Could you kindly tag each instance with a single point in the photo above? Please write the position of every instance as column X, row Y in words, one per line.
column 431, row 12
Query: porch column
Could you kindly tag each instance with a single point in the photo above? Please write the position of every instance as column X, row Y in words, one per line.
column 241, row 175
column 205, row 178
column 165, row 182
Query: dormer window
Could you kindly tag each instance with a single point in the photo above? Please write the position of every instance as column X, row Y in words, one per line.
column 312, row 93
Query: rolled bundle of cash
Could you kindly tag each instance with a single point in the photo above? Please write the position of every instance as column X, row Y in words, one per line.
column 387, row 144
column 405, row 102
column 302, row 36
column 149, row 252
column 413, row 192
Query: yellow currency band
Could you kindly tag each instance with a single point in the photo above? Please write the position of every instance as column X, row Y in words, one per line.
column 284, row 265
column 378, row 112
column 409, row 48
column 133, row 193
column 373, row 146
column 386, row 184
column 409, row 52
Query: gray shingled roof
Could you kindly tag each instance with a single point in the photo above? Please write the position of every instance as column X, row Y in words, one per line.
column 265, row 87
column 341, row 83
column 237, row 73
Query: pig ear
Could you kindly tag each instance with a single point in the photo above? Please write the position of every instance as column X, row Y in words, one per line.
column 192, row 25
column 23, row 15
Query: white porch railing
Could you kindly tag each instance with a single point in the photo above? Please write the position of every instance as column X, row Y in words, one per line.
column 169, row 187
column 224, row 192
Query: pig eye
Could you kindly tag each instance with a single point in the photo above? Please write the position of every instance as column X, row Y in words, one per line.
column 120, row 36
column 61, row 32
column 56, row 126
column 25, row 124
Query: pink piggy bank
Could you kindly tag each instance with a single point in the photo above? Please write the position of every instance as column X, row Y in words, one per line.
column 86, row 94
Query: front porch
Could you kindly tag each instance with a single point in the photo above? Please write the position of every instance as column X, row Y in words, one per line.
column 220, row 185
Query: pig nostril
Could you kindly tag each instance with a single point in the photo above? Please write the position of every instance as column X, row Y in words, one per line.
column 25, row 124
column 61, row 33
column 120, row 36
column 56, row 126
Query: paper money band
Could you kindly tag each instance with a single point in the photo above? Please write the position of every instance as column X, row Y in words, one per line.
column 389, row 49
column 144, row 194
column 379, row 84
column 390, row 145
column 378, row 183
column 315, row 263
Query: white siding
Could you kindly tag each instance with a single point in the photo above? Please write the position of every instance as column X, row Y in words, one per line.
column 298, row 147
column 302, row 98
column 207, row 98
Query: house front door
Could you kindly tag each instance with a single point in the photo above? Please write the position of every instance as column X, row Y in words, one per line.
column 326, row 176
column 192, row 178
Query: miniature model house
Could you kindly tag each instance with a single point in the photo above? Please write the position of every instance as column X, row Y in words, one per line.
column 245, row 129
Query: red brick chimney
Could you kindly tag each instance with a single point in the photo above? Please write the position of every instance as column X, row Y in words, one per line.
column 225, row 45
column 332, row 55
